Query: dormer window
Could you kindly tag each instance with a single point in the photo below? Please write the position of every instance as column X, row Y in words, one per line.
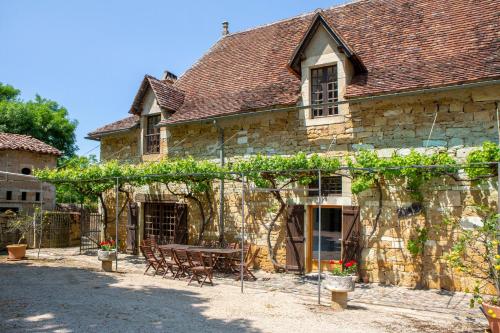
column 152, row 136
column 324, row 89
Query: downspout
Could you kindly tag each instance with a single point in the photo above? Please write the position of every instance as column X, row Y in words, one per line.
column 221, row 184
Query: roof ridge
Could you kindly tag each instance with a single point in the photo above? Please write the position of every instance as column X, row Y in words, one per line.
column 345, row 3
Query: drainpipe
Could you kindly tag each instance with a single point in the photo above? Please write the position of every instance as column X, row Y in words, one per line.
column 221, row 184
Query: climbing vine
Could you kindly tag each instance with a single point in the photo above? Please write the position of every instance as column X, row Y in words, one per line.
column 194, row 179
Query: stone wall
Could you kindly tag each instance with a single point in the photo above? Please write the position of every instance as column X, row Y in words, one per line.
column 14, row 161
column 121, row 146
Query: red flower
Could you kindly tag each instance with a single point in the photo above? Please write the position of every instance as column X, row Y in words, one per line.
column 349, row 264
column 332, row 262
column 340, row 262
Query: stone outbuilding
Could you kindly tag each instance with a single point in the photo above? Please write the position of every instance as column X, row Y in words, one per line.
column 19, row 156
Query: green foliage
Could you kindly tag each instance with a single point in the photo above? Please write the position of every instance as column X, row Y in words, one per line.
column 490, row 152
column 476, row 252
column 197, row 176
column 416, row 244
column 41, row 118
column 367, row 168
column 8, row 92
column 271, row 171
column 19, row 222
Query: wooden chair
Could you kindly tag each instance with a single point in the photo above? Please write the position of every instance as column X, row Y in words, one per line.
column 232, row 246
column 182, row 261
column 169, row 262
column 201, row 267
column 248, row 262
column 152, row 260
column 151, row 242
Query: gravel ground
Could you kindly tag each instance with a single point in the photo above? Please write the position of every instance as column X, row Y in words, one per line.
column 69, row 295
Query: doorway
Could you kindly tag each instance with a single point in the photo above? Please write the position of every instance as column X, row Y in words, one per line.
column 166, row 222
column 331, row 236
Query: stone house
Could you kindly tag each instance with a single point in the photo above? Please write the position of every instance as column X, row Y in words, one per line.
column 19, row 156
column 385, row 75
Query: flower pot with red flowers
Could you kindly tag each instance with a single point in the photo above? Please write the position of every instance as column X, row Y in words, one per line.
column 342, row 276
column 476, row 254
column 107, row 254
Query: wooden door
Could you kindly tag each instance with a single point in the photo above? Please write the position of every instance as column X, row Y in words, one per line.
column 351, row 236
column 181, row 227
column 295, row 239
column 132, row 228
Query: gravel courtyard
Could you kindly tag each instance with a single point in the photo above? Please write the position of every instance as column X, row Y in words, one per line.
column 70, row 294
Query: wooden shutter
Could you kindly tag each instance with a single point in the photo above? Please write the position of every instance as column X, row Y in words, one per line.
column 295, row 239
column 351, row 236
column 132, row 228
column 181, row 227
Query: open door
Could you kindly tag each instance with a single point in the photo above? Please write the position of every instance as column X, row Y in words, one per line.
column 295, row 239
column 351, row 233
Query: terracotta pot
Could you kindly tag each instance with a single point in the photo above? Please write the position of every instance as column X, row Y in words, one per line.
column 492, row 313
column 16, row 251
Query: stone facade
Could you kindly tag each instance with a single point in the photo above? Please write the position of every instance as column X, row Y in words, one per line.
column 463, row 120
column 14, row 161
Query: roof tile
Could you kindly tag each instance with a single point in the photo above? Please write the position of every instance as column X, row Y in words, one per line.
column 9, row 141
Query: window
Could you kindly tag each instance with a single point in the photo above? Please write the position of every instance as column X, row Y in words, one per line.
column 8, row 195
column 324, row 89
column 329, row 185
column 152, row 137
column 37, row 196
column 26, row 171
column 24, row 196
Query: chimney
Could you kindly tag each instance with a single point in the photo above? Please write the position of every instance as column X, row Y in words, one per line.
column 168, row 76
column 225, row 28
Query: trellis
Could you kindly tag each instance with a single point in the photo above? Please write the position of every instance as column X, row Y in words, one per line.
column 242, row 178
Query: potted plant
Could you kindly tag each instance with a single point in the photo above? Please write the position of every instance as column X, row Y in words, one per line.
column 107, row 254
column 476, row 254
column 20, row 224
column 342, row 275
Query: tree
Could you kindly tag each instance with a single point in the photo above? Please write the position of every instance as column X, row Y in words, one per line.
column 41, row 118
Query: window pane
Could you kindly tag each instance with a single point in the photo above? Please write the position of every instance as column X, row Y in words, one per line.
column 331, row 233
column 324, row 89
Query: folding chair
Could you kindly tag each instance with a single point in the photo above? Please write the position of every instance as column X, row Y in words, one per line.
column 201, row 267
column 168, row 261
column 181, row 260
column 152, row 260
column 247, row 263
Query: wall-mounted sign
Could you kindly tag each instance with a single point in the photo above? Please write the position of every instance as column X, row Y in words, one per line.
column 412, row 210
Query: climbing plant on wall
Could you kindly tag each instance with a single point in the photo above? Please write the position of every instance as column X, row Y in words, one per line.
column 277, row 172
column 190, row 179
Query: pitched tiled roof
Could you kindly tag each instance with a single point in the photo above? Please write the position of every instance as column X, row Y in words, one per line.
column 9, row 141
column 404, row 45
column 167, row 96
column 117, row 126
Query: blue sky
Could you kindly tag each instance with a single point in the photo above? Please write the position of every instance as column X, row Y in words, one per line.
column 90, row 56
